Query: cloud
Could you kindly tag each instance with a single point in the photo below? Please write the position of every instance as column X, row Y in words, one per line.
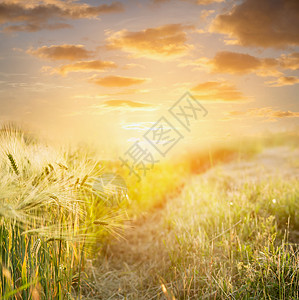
column 84, row 66
column 36, row 15
column 290, row 61
column 36, row 27
column 284, row 80
column 120, row 105
column 265, row 112
column 232, row 62
column 241, row 63
column 205, row 13
column 164, row 41
column 217, row 91
column 126, row 103
column 61, row 52
column 122, row 92
column 264, row 23
column 206, row 2
column 285, row 114
column 128, row 91
column 140, row 126
column 118, row 81
column 199, row 2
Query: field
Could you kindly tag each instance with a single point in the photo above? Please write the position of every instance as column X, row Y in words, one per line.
column 219, row 224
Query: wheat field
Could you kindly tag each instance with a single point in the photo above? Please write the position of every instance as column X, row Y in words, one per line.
column 218, row 225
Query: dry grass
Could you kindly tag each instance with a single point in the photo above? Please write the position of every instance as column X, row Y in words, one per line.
column 218, row 235
column 223, row 237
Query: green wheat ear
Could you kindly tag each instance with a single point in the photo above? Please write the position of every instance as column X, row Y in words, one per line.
column 13, row 163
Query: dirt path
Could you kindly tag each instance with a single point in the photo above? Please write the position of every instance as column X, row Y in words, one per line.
column 130, row 264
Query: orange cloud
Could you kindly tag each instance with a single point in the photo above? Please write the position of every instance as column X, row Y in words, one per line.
column 61, row 52
column 284, row 80
column 115, row 106
column 206, row 2
column 265, row 112
column 84, row 66
column 118, row 81
column 120, row 105
column 264, row 23
column 165, row 41
column 199, row 2
column 285, row 114
column 128, row 103
column 290, row 61
column 36, row 27
column 240, row 63
column 217, row 91
column 36, row 15
column 205, row 13
column 232, row 62
column 129, row 91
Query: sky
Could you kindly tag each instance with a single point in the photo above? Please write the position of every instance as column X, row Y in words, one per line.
column 107, row 71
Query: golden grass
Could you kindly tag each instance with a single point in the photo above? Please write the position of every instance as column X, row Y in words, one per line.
column 57, row 230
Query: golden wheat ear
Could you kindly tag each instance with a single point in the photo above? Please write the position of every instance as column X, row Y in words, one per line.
column 13, row 164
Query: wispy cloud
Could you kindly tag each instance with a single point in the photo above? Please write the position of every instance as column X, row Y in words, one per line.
column 128, row 103
column 83, row 66
column 218, row 91
column 283, row 81
column 265, row 112
column 205, row 13
column 122, row 106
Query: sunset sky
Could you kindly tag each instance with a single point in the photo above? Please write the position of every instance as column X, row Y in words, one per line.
column 105, row 71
